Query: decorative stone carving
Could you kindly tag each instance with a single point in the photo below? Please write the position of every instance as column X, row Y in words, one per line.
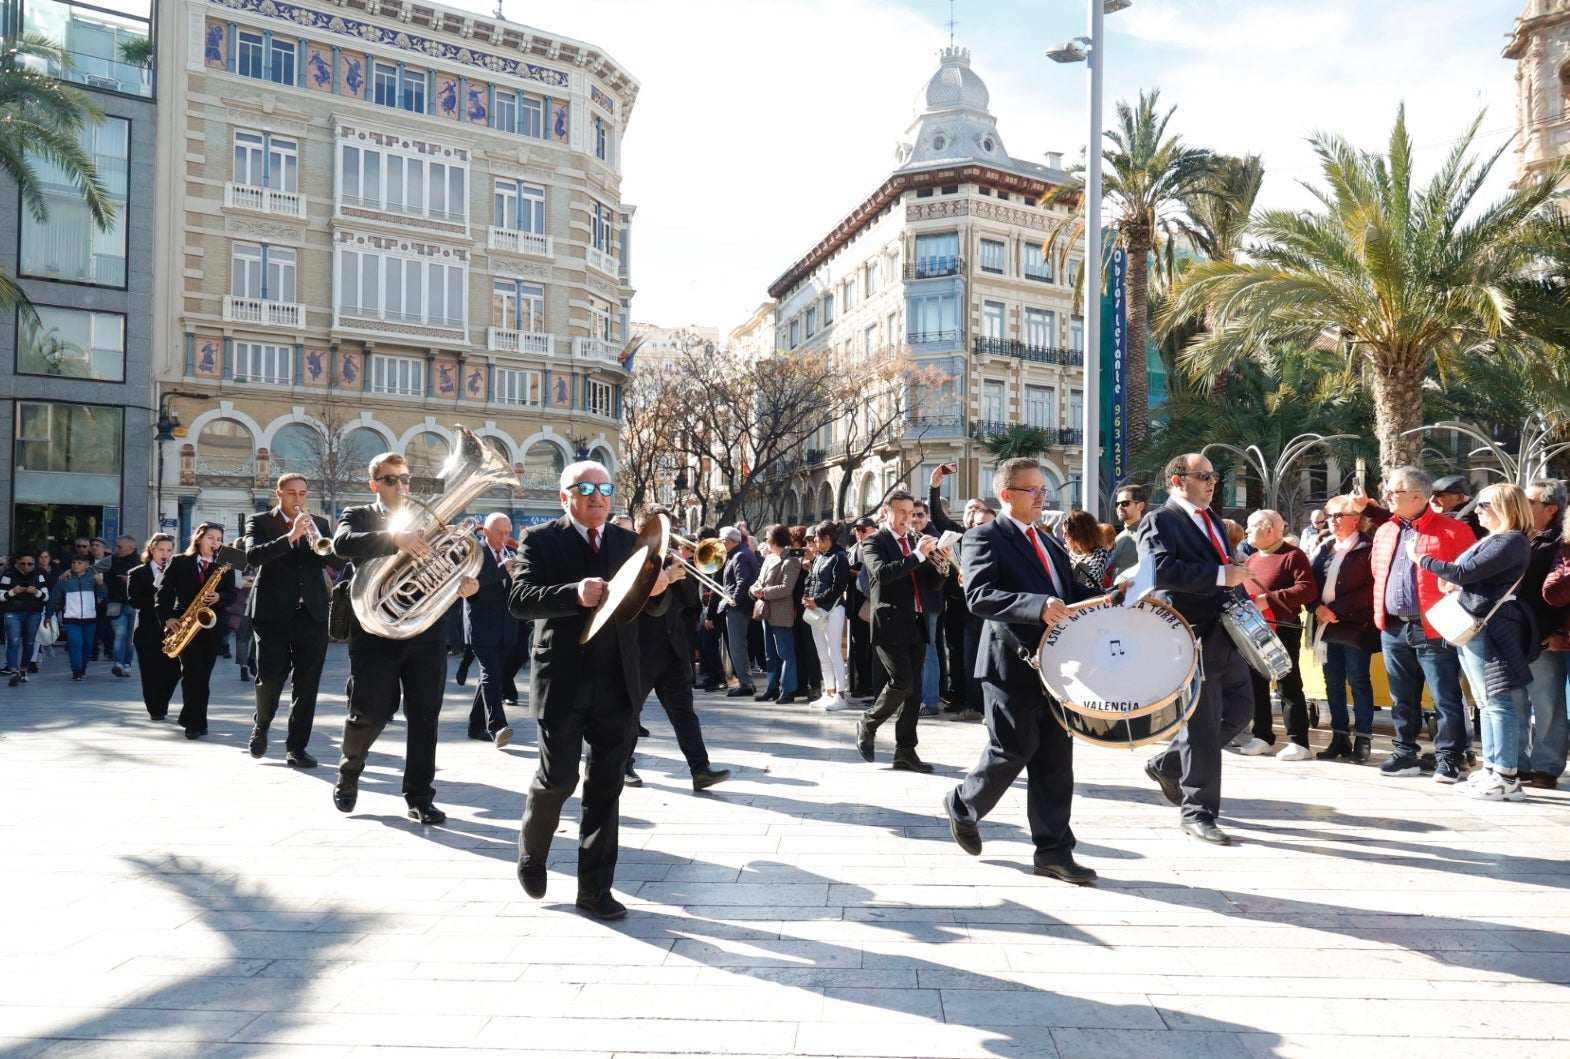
column 188, row 464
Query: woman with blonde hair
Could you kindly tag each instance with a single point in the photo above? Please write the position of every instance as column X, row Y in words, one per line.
column 1498, row 659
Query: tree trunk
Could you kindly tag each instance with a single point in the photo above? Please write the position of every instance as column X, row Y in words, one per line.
column 1397, row 385
column 1136, row 239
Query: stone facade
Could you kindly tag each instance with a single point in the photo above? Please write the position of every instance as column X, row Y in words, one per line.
column 1540, row 46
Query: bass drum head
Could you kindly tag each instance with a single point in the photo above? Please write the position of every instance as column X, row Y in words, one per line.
column 1153, row 726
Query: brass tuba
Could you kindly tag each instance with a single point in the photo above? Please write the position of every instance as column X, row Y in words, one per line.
column 398, row 596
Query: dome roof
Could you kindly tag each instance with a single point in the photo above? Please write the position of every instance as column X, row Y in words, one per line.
column 955, row 86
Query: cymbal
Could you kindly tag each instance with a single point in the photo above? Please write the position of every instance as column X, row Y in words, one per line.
column 630, row 586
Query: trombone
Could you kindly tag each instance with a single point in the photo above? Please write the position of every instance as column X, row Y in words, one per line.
column 708, row 558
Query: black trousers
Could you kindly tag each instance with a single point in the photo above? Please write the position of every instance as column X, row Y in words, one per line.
column 709, row 659
column 859, row 662
column 294, row 648
column 1226, row 707
column 1022, row 736
column 956, row 673
column 901, row 696
column 380, row 673
column 160, row 674
column 196, row 672
column 1291, row 687
column 973, row 691
column 604, row 719
column 486, row 716
column 670, row 678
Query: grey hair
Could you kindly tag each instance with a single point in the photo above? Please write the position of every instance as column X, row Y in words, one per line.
column 497, row 516
column 1553, row 491
column 573, row 471
column 1003, row 477
column 1271, row 516
column 1415, row 478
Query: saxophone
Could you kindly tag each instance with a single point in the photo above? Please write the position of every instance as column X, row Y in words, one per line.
column 197, row 616
column 398, row 596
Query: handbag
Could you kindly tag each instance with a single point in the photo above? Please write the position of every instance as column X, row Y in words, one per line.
column 760, row 609
column 112, row 609
column 1455, row 623
column 48, row 631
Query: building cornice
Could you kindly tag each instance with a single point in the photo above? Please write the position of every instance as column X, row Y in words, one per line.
column 1527, row 28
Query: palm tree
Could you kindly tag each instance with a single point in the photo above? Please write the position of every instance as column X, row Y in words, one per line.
column 1149, row 179
column 42, row 118
column 1413, row 280
column 1019, row 440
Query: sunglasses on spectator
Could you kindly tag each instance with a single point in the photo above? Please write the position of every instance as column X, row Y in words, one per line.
column 1484, row 505
column 590, row 488
column 1126, row 503
column 395, row 479
column 1342, row 514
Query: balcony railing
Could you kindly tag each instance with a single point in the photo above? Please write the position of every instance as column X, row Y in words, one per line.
column 1071, row 436
column 258, row 311
column 815, row 456
column 597, row 349
column 504, row 341
column 521, row 242
column 987, row 429
column 606, row 263
column 942, row 426
column 264, row 200
column 1008, row 347
column 934, row 266
column 927, row 338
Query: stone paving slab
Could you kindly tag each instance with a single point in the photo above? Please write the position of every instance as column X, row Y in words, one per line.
column 175, row 898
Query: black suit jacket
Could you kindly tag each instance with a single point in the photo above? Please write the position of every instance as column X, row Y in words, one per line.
column 895, row 621
column 550, row 565
column 182, row 581
column 665, row 625
column 486, row 620
column 143, row 598
column 1005, row 582
column 1185, row 561
column 287, row 575
column 362, row 534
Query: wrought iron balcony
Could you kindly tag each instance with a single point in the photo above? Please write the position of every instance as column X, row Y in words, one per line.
column 938, row 426
column 1009, row 347
column 932, row 338
column 935, row 266
column 1071, row 436
column 815, row 456
column 987, row 429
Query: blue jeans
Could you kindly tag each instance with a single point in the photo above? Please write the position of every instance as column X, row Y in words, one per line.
column 1544, row 737
column 779, row 648
column 1410, row 661
column 20, row 628
column 79, row 639
column 929, row 664
column 124, row 649
column 1501, row 732
column 1347, row 664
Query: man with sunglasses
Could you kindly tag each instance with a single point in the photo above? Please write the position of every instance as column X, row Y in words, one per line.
column 580, row 693
column 383, row 671
column 1185, row 543
column 1130, row 505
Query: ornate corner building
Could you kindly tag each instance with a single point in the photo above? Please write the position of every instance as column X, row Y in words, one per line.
column 1540, row 46
column 383, row 217
column 944, row 262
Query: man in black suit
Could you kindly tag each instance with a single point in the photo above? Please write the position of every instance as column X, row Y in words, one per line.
column 581, row 693
column 382, row 670
column 1185, row 543
column 1018, row 580
column 665, row 661
column 491, row 631
column 901, row 579
column 288, row 609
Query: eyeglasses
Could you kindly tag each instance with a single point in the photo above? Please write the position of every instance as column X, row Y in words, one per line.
column 1342, row 514
column 590, row 488
column 1200, row 476
column 1391, row 494
column 1125, row 503
column 1484, row 505
column 1028, row 492
column 395, row 479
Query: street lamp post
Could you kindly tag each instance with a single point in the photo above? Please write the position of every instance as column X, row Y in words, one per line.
column 1089, row 51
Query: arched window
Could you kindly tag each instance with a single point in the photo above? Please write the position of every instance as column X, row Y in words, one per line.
column 825, row 502
column 225, row 446
column 542, row 467
column 601, row 454
column 359, row 447
column 869, row 494
column 426, row 454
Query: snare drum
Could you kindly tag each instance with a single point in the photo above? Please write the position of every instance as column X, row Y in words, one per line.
column 1121, row 676
column 1255, row 639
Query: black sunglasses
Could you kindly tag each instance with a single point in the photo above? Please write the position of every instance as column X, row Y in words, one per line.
column 589, row 488
column 1203, row 476
column 1126, row 503
column 395, row 479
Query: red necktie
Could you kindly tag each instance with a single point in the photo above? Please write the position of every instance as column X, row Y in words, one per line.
column 1041, row 553
column 201, row 566
column 594, row 540
column 1214, row 539
column 904, row 546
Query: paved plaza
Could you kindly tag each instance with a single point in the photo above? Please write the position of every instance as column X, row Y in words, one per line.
column 172, row 898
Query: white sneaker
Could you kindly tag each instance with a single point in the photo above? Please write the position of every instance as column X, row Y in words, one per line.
column 1254, row 747
column 839, row 703
column 1487, row 785
column 1513, row 791
column 1291, row 752
column 819, row 703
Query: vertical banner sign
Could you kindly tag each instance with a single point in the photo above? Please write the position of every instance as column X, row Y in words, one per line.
column 1119, row 366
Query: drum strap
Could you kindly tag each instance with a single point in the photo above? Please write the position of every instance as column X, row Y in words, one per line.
column 1004, row 633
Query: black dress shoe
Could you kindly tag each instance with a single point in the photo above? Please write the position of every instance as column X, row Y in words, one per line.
column 1361, row 748
column 908, row 761
column 601, row 906
column 1339, row 749
column 765, row 695
column 461, row 677
column 712, row 687
column 258, row 744
column 703, row 779
column 345, row 794
column 1069, row 870
column 864, row 737
column 426, row 814
column 300, row 759
column 1207, row 831
column 965, row 833
column 531, row 873
column 480, row 735
column 1171, row 793
column 631, row 778
column 195, row 733
column 786, row 700
column 643, row 733
column 739, row 692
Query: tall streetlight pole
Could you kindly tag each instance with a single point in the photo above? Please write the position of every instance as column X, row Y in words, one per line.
column 1089, row 51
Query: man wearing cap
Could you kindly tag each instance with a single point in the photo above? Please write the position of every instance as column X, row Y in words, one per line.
column 741, row 570
column 1450, row 496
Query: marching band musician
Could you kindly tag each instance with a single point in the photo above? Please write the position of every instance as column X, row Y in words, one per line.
column 1193, row 568
column 183, row 580
column 382, row 670
column 1020, row 579
column 581, row 693
column 160, row 674
column 491, row 632
column 288, row 610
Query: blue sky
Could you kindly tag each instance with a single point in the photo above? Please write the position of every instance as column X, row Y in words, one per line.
column 761, row 122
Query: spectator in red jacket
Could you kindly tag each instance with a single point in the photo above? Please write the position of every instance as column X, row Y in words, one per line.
column 1282, row 585
column 1414, row 652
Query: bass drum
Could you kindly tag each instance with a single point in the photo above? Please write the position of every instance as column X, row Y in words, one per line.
column 1121, row 676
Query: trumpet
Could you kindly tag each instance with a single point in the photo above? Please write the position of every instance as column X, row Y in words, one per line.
column 708, row 558
column 313, row 537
